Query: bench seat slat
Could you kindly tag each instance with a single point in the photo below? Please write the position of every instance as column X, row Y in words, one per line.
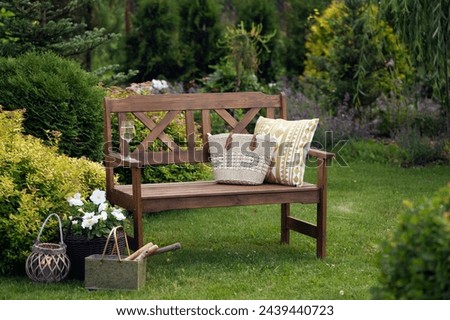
column 198, row 194
column 208, row 188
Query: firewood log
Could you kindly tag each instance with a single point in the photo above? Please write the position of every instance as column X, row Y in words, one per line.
column 147, row 253
column 171, row 247
column 135, row 254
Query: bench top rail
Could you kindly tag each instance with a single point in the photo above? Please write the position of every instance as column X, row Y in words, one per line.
column 194, row 101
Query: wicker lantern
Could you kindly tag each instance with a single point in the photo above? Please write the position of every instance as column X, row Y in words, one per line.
column 48, row 262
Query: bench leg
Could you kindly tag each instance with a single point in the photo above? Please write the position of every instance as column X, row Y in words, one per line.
column 322, row 208
column 321, row 229
column 285, row 213
column 138, row 234
column 137, row 209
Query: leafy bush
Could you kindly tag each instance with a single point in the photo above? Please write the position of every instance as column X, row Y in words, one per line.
column 224, row 79
column 58, row 97
column 415, row 260
column 34, row 182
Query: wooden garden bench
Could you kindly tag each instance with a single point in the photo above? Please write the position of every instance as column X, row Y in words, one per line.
column 197, row 110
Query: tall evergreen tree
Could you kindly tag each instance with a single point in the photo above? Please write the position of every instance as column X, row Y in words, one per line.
column 153, row 46
column 200, row 34
column 46, row 26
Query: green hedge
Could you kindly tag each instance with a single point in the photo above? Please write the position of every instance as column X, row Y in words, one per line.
column 415, row 261
column 58, row 97
column 34, row 182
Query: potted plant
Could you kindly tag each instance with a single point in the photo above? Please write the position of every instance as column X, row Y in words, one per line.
column 88, row 224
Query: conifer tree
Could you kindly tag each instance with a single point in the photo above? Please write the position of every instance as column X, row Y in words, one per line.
column 200, row 33
column 46, row 26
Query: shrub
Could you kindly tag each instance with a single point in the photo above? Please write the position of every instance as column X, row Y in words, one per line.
column 224, row 79
column 34, row 182
column 176, row 39
column 415, row 260
column 58, row 96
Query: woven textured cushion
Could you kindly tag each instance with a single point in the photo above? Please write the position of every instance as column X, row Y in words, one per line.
column 293, row 139
column 245, row 162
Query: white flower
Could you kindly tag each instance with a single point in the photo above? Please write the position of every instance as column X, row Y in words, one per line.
column 103, row 206
column 159, row 84
column 75, row 200
column 98, row 196
column 89, row 222
column 97, row 214
column 103, row 215
column 88, row 215
column 118, row 214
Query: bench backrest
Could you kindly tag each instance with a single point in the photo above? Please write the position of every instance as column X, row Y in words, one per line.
column 197, row 111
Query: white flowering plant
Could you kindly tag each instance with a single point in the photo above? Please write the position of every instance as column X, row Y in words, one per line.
column 94, row 217
column 150, row 87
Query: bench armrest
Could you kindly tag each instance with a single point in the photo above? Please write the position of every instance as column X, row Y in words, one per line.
column 115, row 159
column 320, row 154
column 323, row 162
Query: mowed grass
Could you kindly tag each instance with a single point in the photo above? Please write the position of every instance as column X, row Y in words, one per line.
column 234, row 253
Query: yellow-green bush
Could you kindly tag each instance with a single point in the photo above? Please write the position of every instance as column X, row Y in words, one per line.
column 34, row 182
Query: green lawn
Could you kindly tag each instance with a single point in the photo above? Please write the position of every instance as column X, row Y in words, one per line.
column 234, row 253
